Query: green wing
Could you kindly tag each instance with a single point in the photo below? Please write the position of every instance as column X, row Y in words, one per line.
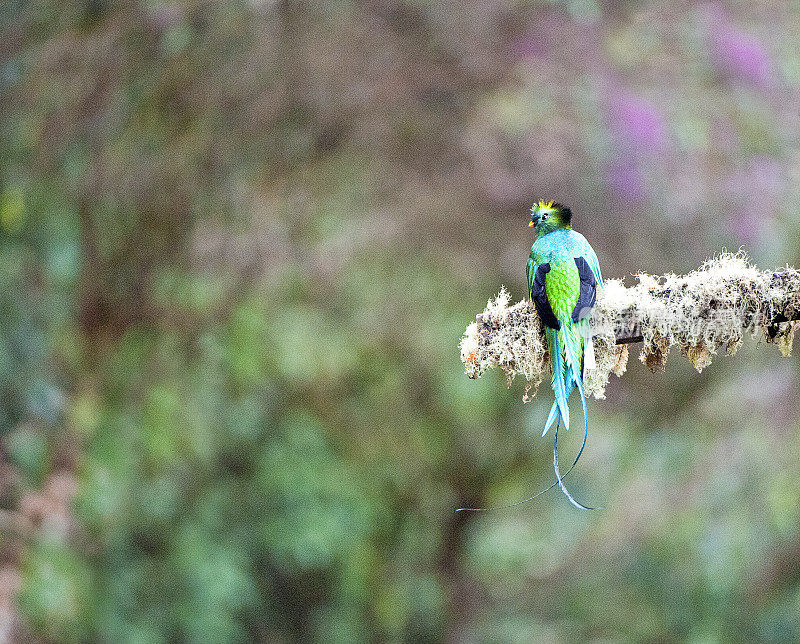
column 530, row 272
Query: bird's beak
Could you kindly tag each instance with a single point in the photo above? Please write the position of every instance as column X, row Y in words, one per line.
column 531, row 224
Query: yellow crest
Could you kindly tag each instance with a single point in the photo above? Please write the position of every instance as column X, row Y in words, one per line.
column 545, row 206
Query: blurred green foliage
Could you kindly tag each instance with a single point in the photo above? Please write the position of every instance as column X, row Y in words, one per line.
column 240, row 242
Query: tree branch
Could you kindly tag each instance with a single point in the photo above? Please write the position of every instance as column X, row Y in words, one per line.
column 708, row 309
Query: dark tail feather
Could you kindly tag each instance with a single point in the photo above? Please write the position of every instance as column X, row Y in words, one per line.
column 538, row 494
column 560, row 481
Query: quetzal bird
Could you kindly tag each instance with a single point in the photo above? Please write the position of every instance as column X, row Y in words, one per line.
column 563, row 274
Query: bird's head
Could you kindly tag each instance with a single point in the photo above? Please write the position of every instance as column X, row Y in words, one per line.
column 549, row 216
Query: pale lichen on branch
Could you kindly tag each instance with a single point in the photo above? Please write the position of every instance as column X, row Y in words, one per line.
column 709, row 309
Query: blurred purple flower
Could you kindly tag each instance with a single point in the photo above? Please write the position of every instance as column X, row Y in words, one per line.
column 638, row 122
column 529, row 45
column 736, row 53
column 746, row 224
column 626, row 180
column 759, row 189
column 767, row 178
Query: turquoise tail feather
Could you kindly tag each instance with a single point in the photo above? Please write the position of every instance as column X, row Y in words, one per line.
column 560, row 373
column 567, row 374
column 552, row 417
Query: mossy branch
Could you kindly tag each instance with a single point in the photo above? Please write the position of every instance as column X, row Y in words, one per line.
column 707, row 310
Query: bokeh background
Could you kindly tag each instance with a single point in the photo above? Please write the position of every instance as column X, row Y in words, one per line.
column 239, row 242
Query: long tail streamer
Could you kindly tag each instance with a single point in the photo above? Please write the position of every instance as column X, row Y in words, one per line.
column 559, row 478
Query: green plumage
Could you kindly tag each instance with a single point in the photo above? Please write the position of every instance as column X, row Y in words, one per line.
column 557, row 258
column 563, row 287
